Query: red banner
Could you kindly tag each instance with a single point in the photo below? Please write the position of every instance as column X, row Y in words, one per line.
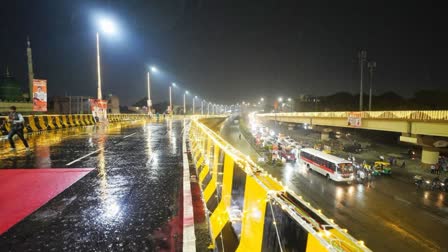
column 99, row 110
column 39, row 95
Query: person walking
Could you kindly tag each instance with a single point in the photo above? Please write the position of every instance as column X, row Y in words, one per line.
column 403, row 165
column 17, row 123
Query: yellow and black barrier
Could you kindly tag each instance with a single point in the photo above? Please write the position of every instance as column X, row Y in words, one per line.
column 249, row 210
column 39, row 123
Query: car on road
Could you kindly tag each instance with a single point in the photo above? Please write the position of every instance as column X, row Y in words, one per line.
column 288, row 155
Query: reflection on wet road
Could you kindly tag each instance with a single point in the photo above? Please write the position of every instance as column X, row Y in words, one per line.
column 389, row 214
column 129, row 202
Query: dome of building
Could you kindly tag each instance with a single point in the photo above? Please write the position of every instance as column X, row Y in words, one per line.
column 9, row 88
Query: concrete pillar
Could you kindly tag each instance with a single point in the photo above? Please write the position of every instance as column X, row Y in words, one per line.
column 324, row 136
column 430, row 156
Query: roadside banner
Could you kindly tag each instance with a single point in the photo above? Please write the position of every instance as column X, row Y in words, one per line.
column 354, row 119
column 99, row 110
column 39, row 95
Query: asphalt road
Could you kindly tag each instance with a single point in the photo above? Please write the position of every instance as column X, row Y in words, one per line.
column 389, row 214
column 130, row 202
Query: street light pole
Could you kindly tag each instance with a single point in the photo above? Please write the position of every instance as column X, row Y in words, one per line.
column 185, row 105
column 100, row 96
column 171, row 103
column 194, row 98
column 371, row 65
column 202, row 107
column 362, row 58
column 149, row 92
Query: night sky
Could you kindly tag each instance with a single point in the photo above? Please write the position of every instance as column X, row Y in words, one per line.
column 227, row 50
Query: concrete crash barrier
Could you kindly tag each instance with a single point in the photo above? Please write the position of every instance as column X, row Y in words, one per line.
column 39, row 123
column 249, row 210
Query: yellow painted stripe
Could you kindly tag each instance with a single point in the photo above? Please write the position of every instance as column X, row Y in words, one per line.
column 218, row 220
column 220, row 216
column 57, row 120
column 203, row 173
column 70, row 120
column 210, row 188
column 314, row 245
column 255, row 197
column 50, row 122
column 199, row 162
column 42, row 124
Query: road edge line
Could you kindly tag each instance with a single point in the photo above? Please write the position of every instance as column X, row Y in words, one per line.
column 188, row 234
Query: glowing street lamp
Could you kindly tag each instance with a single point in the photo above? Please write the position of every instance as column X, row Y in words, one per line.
column 185, row 104
column 152, row 69
column 194, row 98
column 171, row 98
column 106, row 26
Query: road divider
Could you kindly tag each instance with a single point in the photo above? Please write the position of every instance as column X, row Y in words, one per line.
column 39, row 123
column 249, row 210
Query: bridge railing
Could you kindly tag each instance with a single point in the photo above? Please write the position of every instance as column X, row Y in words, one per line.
column 417, row 115
column 249, row 210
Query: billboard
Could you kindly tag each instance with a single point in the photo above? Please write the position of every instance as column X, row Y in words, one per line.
column 99, row 110
column 39, row 95
column 354, row 119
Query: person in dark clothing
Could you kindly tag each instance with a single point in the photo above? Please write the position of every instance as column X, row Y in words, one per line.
column 16, row 120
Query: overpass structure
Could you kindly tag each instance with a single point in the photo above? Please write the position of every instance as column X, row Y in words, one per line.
column 426, row 128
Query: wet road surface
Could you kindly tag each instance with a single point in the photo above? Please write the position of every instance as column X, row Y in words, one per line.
column 129, row 202
column 389, row 214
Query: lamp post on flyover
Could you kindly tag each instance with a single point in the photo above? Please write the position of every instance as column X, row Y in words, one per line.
column 153, row 70
column 362, row 58
column 171, row 97
column 107, row 26
column 185, row 103
column 371, row 65
column 202, row 106
column 194, row 98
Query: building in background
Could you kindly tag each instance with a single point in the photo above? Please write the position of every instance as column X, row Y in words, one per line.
column 69, row 105
column 113, row 104
column 79, row 105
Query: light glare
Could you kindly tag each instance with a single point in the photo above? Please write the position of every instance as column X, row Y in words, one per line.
column 107, row 26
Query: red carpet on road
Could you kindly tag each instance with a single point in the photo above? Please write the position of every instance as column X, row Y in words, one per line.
column 22, row 191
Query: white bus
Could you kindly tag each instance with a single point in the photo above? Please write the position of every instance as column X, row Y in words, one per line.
column 332, row 167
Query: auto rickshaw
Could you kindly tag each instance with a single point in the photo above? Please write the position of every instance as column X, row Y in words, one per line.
column 381, row 167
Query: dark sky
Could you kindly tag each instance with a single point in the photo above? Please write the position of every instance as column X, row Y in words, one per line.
column 227, row 50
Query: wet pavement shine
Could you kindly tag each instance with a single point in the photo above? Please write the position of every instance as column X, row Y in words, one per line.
column 131, row 201
column 389, row 214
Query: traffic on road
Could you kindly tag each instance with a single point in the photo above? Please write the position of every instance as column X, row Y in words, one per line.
column 387, row 210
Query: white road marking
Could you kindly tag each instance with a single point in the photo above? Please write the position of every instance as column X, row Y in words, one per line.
column 189, row 237
column 130, row 135
column 91, row 153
